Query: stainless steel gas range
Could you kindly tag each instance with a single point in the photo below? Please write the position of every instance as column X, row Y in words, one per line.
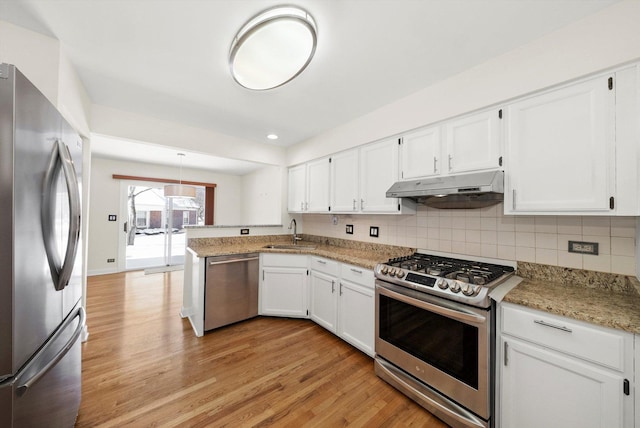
column 435, row 334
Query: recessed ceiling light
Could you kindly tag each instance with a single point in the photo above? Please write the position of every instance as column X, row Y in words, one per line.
column 273, row 47
column 272, row 136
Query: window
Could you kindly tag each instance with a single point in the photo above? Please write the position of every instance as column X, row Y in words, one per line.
column 185, row 217
column 141, row 219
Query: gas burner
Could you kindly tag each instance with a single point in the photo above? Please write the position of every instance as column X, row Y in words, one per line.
column 462, row 280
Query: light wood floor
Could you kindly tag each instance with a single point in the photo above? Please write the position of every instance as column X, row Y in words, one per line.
column 143, row 366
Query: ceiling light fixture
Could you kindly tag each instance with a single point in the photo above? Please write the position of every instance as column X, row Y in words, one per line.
column 273, row 47
column 179, row 190
column 272, row 136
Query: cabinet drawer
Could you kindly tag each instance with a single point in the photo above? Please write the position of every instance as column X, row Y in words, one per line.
column 591, row 343
column 357, row 275
column 329, row 267
column 284, row 260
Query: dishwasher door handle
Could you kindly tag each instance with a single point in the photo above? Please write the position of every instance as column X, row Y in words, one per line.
column 223, row 262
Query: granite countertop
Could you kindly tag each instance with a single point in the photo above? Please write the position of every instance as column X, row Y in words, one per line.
column 362, row 254
column 607, row 300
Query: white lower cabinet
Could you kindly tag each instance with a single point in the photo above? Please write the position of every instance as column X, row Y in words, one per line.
column 323, row 305
column 557, row 372
column 283, row 285
column 343, row 301
column 356, row 316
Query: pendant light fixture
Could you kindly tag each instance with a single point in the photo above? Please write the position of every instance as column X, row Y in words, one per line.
column 273, row 47
column 179, row 190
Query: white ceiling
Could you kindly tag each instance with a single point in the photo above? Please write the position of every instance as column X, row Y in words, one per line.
column 168, row 59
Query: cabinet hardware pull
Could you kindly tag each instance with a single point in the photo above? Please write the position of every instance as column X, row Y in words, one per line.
column 361, row 204
column 322, row 262
column 341, row 289
column 450, row 157
column 301, row 206
column 224, row 262
column 625, row 387
column 306, row 206
column 513, row 199
column 356, row 271
column 354, row 204
column 435, row 161
column 333, row 287
column 557, row 327
column 506, row 353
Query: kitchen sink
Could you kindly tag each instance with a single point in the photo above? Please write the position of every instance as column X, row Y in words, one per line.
column 289, row 247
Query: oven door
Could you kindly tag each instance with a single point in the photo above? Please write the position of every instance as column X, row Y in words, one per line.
column 445, row 345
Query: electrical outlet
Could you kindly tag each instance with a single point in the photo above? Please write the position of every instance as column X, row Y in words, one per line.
column 349, row 229
column 112, row 217
column 583, row 247
column 244, row 231
column 374, row 231
column 111, row 260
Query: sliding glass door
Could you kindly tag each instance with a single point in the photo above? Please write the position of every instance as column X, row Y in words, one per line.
column 154, row 232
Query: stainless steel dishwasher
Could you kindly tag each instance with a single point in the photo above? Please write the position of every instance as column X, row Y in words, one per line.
column 231, row 289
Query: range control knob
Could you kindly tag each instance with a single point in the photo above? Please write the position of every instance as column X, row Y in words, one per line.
column 384, row 270
column 471, row 290
column 442, row 284
column 392, row 271
column 400, row 273
column 454, row 286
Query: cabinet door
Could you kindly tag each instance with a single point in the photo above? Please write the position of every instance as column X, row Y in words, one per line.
column 559, row 150
column 318, row 185
column 378, row 171
column 357, row 316
column 543, row 388
column 344, row 182
column 420, row 153
column 323, row 304
column 297, row 186
column 283, row 292
column 473, row 142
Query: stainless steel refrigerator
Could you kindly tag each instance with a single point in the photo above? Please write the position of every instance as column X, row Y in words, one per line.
column 41, row 314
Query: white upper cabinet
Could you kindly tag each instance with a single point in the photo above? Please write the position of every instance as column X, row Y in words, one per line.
column 420, row 153
column 468, row 143
column 309, row 187
column 318, row 185
column 378, row 171
column 473, row 142
column 344, row 182
column 297, row 184
column 560, row 150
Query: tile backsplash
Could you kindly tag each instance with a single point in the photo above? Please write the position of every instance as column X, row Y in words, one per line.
column 486, row 232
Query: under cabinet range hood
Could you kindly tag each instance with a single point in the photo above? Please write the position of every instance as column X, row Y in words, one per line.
column 474, row 190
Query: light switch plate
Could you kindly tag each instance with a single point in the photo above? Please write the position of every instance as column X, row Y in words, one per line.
column 373, row 231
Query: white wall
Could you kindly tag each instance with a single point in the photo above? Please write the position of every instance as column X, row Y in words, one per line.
column 262, row 192
column 603, row 40
column 44, row 62
column 105, row 200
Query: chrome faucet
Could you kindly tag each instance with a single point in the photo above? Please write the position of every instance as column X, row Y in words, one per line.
column 295, row 238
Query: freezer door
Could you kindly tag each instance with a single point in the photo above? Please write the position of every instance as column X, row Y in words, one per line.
column 47, row 392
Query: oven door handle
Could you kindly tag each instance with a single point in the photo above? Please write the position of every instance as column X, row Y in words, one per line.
column 458, row 313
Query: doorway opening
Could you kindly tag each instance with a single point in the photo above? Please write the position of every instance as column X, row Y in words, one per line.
column 155, row 237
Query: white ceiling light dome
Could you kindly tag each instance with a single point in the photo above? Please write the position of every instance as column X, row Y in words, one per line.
column 273, row 47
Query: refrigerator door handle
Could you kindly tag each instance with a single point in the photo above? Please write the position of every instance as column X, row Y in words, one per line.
column 61, row 160
column 24, row 386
